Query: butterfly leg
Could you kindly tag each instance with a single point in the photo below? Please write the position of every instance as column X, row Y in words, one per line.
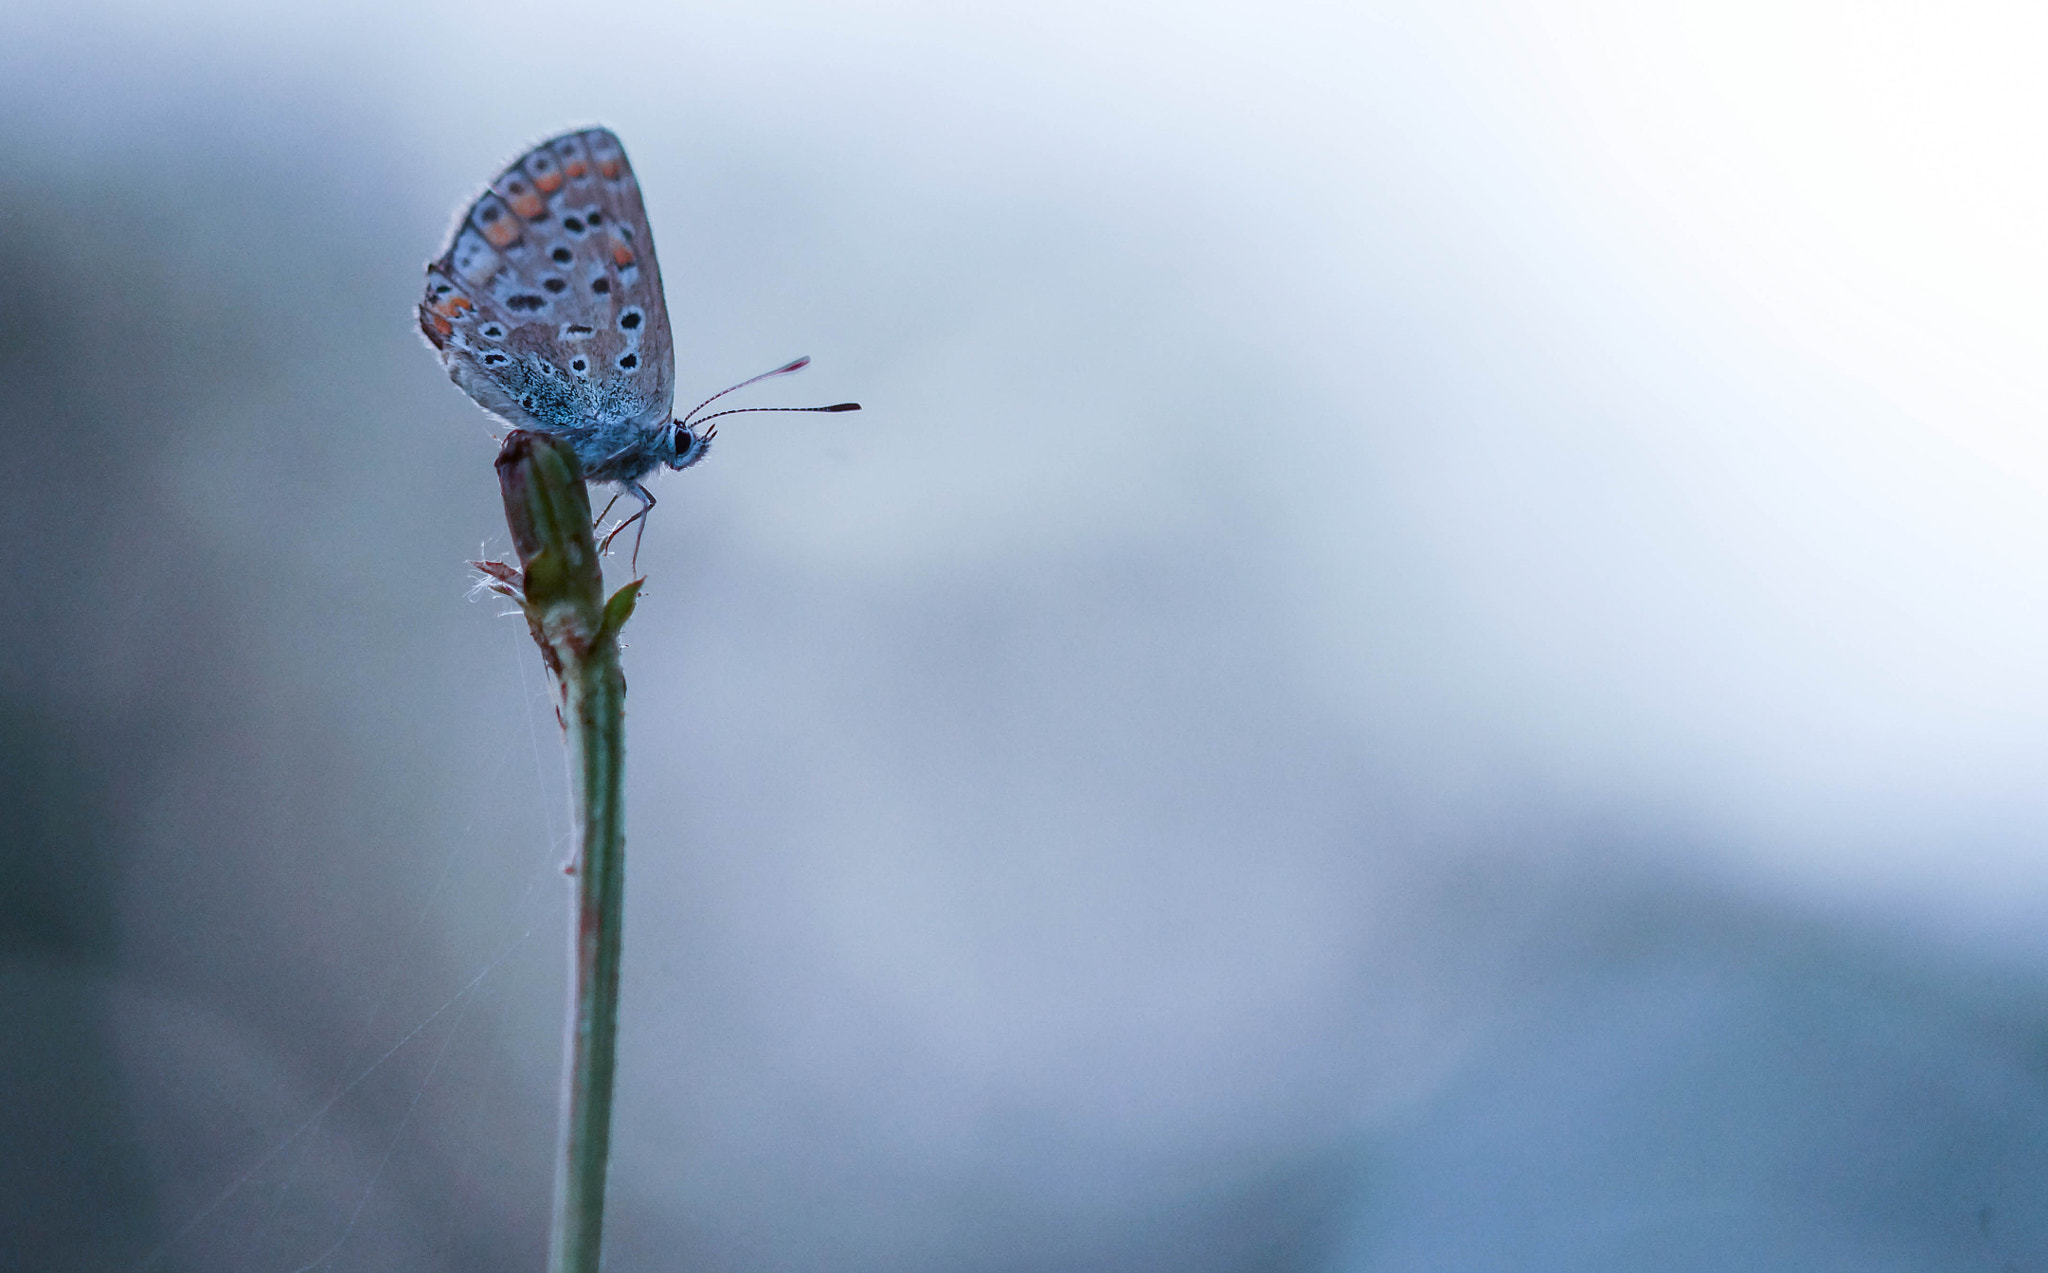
column 646, row 499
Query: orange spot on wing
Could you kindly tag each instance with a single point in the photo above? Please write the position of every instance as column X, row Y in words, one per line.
column 610, row 168
column 547, row 183
column 438, row 326
column 527, row 204
column 501, row 232
column 620, row 256
column 453, row 305
column 575, row 168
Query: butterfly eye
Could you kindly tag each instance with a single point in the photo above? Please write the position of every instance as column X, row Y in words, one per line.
column 685, row 447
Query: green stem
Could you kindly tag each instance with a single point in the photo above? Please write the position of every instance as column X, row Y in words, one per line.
column 560, row 587
column 594, row 711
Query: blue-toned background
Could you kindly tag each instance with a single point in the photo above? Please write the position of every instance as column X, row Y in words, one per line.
column 1431, row 654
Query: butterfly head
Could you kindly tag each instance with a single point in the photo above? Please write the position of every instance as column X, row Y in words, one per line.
column 683, row 442
column 684, row 445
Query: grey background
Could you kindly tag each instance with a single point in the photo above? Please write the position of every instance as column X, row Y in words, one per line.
column 1432, row 651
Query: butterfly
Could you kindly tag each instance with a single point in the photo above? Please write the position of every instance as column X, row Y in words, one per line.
column 546, row 308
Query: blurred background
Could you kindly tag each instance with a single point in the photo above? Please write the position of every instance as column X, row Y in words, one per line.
column 1431, row 653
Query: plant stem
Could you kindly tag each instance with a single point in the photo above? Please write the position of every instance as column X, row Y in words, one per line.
column 594, row 714
column 560, row 587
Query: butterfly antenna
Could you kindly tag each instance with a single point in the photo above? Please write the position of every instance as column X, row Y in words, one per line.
column 712, row 432
column 783, row 370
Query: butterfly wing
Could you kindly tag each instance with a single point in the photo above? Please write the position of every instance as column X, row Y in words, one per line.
column 546, row 306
